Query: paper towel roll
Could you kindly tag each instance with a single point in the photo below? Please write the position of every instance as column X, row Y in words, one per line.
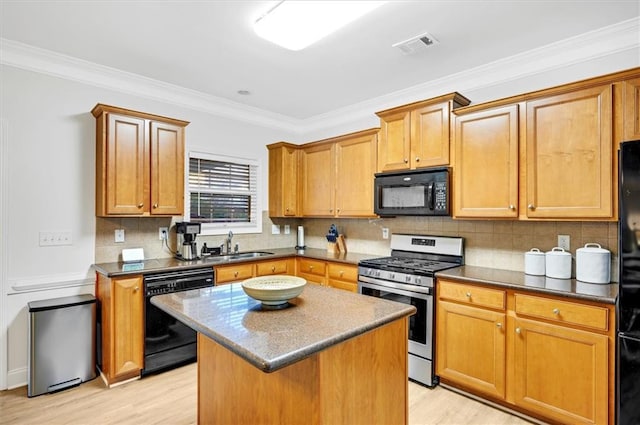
column 300, row 237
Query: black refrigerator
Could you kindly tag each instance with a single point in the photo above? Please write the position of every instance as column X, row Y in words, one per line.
column 628, row 304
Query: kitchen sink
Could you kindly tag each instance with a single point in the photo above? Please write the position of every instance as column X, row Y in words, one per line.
column 237, row 256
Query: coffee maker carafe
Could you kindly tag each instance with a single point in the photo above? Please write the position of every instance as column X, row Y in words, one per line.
column 187, row 250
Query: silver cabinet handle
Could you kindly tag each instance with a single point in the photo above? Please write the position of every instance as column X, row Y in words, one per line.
column 155, row 205
column 417, row 159
column 406, row 160
column 512, row 207
column 140, row 205
column 468, row 294
column 531, row 207
column 136, row 289
column 518, row 331
column 556, row 311
column 499, row 325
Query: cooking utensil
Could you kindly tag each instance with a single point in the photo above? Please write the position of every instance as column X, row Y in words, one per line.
column 593, row 264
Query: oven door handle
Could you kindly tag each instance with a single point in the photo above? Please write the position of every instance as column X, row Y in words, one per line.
column 421, row 292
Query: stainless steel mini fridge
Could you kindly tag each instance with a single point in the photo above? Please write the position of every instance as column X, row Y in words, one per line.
column 61, row 343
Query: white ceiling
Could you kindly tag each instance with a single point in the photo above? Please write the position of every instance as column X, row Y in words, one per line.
column 210, row 47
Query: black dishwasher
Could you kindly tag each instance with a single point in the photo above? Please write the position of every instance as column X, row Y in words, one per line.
column 169, row 343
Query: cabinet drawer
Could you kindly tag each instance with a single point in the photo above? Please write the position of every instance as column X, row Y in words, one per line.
column 341, row 284
column 313, row 278
column 274, row 267
column 343, row 272
column 233, row 273
column 314, row 267
column 472, row 295
column 568, row 312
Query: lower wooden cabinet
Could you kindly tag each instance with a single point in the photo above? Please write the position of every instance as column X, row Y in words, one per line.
column 549, row 357
column 122, row 326
column 343, row 276
column 315, row 271
column 241, row 271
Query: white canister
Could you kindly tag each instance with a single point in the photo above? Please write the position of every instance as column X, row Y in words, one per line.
column 558, row 263
column 593, row 264
column 534, row 262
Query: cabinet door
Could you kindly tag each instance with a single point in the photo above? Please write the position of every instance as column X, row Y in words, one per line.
column 356, row 166
column 283, row 179
column 394, row 147
column 561, row 373
column 430, row 135
column 632, row 109
column 128, row 326
column 318, row 180
column 167, row 169
column 471, row 347
column 569, row 155
column 126, row 165
column 233, row 273
column 486, row 164
column 343, row 276
column 286, row 266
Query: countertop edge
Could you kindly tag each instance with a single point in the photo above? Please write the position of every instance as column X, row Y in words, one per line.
column 509, row 279
column 275, row 364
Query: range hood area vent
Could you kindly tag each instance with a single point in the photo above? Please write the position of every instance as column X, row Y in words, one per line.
column 416, row 44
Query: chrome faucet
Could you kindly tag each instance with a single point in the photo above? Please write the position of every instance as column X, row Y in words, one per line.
column 228, row 242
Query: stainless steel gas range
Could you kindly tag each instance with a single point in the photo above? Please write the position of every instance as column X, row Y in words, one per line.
column 407, row 276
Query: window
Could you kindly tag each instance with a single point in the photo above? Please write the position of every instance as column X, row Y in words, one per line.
column 223, row 194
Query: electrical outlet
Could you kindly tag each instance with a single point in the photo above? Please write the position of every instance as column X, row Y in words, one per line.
column 564, row 242
column 119, row 235
column 163, row 233
column 275, row 229
column 385, row 233
column 287, row 229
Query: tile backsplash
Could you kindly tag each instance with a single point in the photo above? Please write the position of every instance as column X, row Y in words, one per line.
column 488, row 243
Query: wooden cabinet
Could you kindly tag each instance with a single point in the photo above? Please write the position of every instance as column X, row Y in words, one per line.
column 418, row 134
column 550, row 357
column 285, row 266
column 233, row 272
column 342, row 276
column 485, row 176
column 314, row 271
column 122, row 326
column 472, row 320
column 240, row 271
column 139, row 163
column 337, row 176
column 569, row 165
column 283, row 179
column 631, row 120
column 560, row 371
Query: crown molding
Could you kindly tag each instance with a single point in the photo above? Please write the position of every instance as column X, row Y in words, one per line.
column 44, row 61
column 589, row 46
column 585, row 47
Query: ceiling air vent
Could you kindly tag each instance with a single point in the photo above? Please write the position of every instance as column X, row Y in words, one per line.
column 416, row 44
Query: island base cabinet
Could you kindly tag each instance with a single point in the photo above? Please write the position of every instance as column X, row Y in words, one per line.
column 561, row 373
column 360, row 381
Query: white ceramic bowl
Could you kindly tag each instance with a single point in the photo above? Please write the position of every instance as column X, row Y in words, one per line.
column 275, row 289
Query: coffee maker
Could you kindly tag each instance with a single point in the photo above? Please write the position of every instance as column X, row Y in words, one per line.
column 187, row 249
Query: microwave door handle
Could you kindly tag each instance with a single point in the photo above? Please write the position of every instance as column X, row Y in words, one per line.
column 430, row 197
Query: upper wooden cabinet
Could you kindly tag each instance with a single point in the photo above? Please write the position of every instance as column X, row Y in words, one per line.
column 336, row 176
column 418, row 134
column 139, row 163
column 631, row 109
column 569, row 153
column 283, row 179
column 485, row 176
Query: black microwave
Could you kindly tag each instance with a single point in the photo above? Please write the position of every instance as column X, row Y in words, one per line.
column 419, row 192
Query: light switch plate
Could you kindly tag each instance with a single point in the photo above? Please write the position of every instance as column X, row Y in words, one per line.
column 119, row 235
column 287, row 229
column 275, row 229
column 385, row 233
column 564, row 242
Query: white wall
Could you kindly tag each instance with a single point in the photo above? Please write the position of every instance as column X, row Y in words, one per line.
column 50, row 159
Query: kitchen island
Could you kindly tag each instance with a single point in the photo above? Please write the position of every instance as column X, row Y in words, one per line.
column 329, row 357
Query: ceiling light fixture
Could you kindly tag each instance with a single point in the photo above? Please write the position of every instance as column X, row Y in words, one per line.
column 295, row 25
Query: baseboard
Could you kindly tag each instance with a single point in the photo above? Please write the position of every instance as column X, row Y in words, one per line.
column 17, row 378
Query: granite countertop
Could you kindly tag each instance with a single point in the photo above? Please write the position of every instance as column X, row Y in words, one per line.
column 272, row 339
column 569, row 288
column 173, row 264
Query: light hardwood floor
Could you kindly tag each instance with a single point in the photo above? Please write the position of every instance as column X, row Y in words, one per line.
column 170, row 398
